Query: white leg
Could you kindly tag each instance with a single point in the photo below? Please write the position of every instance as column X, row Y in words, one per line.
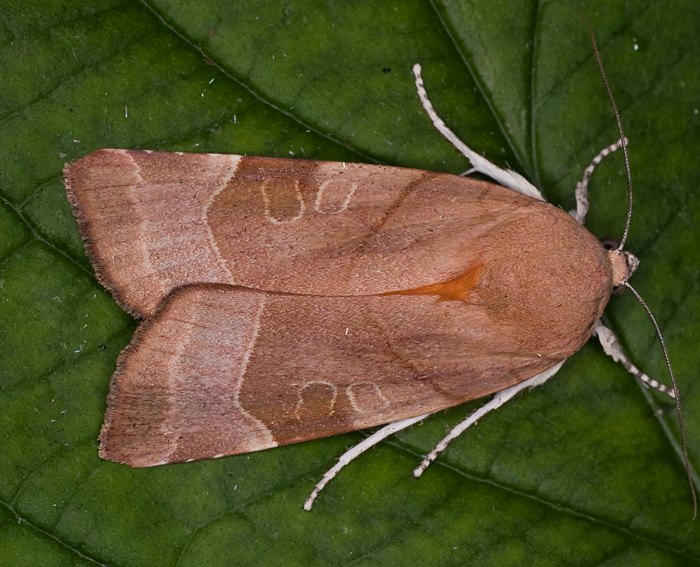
column 612, row 347
column 505, row 177
column 582, row 186
column 496, row 402
column 355, row 451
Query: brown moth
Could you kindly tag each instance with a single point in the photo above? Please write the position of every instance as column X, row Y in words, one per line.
column 286, row 300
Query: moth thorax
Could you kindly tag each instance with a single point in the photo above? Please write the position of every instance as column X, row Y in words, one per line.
column 623, row 265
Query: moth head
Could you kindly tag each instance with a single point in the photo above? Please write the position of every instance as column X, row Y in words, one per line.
column 623, row 264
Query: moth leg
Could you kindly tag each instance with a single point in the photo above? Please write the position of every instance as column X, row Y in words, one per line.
column 582, row 186
column 356, row 450
column 496, row 402
column 611, row 346
column 505, row 177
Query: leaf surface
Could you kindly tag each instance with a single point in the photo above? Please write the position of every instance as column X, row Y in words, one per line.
column 584, row 471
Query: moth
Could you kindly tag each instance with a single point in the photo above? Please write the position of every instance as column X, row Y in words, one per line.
column 287, row 300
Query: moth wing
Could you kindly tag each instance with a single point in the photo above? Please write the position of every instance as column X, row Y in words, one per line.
column 154, row 221
column 220, row 370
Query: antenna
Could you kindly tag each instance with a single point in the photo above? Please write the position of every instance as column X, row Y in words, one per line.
column 679, row 413
column 628, row 172
column 623, row 139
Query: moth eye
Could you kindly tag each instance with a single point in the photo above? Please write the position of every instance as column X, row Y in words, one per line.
column 609, row 243
column 617, row 289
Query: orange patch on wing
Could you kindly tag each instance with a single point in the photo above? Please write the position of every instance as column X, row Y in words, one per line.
column 455, row 289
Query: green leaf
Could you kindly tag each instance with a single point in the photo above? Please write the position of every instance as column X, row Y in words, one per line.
column 585, row 470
